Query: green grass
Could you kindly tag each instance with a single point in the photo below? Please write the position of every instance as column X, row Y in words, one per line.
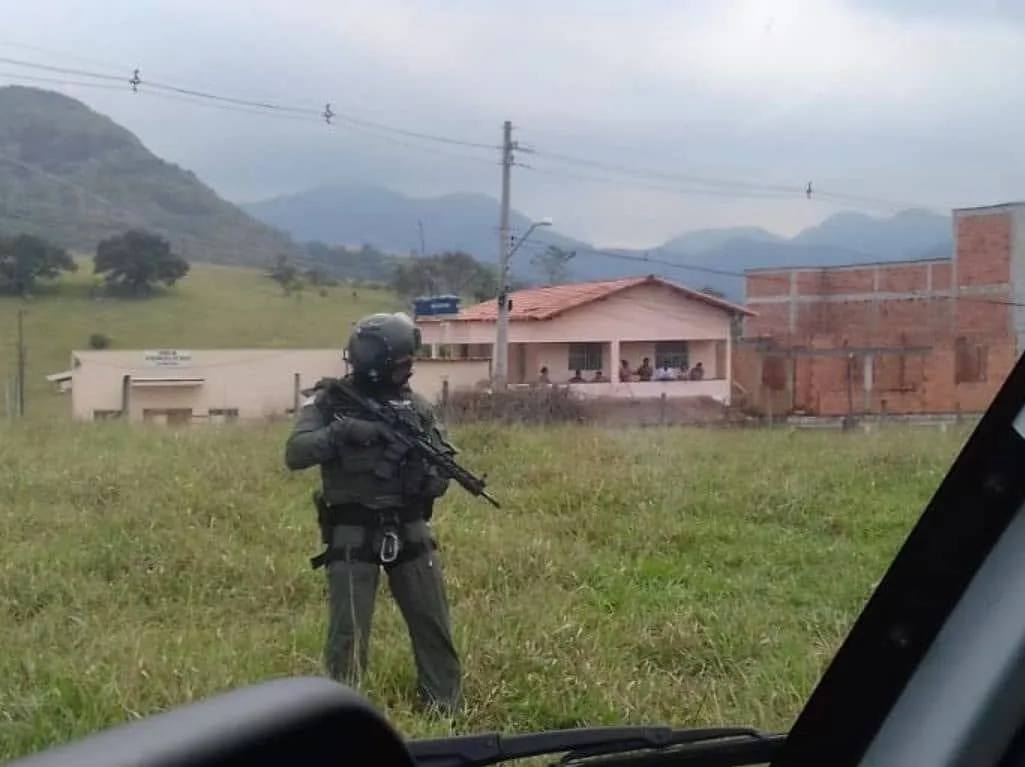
column 213, row 307
column 689, row 577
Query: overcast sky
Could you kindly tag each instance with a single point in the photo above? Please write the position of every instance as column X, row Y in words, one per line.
column 896, row 101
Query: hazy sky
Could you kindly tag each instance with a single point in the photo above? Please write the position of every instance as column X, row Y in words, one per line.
column 895, row 101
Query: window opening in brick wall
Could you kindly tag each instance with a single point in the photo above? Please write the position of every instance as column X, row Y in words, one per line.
column 970, row 361
column 672, row 354
column 585, row 357
column 898, row 372
column 774, row 373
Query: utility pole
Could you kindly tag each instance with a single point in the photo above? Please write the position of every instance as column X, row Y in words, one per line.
column 21, row 362
column 501, row 355
column 423, row 245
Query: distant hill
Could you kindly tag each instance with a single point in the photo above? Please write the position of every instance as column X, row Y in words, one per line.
column 75, row 176
column 356, row 215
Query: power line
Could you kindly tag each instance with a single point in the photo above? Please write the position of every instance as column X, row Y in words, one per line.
column 720, row 186
column 708, row 186
column 328, row 114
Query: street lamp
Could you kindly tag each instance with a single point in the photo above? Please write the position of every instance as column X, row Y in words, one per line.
column 502, row 319
column 539, row 223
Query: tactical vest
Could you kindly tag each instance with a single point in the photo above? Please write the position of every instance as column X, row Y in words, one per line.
column 354, row 476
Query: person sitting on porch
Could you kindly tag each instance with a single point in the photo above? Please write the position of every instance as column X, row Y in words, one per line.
column 664, row 373
column 543, row 378
column 644, row 372
column 624, row 371
column 598, row 377
column 577, row 378
column 697, row 372
column 683, row 374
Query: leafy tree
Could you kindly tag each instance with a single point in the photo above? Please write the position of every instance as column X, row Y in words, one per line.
column 285, row 273
column 453, row 272
column 318, row 277
column 136, row 260
column 25, row 259
column 554, row 264
column 99, row 341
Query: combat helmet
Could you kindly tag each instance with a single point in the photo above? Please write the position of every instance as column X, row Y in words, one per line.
column 381, row 348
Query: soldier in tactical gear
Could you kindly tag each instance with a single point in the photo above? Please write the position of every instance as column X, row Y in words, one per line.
column 374, row 509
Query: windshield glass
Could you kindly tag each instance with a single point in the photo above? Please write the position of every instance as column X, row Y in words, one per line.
column 525, row 368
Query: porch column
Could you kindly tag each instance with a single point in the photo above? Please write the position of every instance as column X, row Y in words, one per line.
column 613, row 371
column 729, row 369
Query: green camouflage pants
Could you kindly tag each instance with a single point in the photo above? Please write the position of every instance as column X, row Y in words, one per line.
column 418, row 588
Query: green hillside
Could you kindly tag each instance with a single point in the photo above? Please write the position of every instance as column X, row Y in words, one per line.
column 213, row 307
column 75, row 177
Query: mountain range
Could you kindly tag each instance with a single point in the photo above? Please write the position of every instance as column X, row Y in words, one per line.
column 712, row 258
column 75, row 176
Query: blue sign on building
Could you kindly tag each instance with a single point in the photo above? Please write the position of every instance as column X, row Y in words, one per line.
column 435, row 306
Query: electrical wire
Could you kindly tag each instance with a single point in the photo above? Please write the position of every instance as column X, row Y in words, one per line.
column 687, row 184
column 713, row 186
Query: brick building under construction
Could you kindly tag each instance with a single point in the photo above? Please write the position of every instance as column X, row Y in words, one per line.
column 925, row 337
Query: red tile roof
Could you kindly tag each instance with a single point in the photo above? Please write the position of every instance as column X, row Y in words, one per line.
column 546, row 303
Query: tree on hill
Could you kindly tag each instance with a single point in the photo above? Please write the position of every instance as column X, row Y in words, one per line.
column 285, row 273
column 554, row 264
column 136, row 260
column 25, row 259
column 364, row 263
column 52, row 143
column 453, row 272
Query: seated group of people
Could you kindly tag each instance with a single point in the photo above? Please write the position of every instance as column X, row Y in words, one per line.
column 643, row 373
column 663, row 373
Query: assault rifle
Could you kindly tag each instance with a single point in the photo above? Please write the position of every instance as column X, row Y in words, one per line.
column 412, row 437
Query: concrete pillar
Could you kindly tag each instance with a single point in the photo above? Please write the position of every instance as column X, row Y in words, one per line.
column 869, row 380
column 613, row 371
column 729, row 368
column 126, row 397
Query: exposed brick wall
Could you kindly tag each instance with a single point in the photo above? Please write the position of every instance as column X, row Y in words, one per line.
column 772, row 319
column 948, row 305
column 983, row 248
column 927, row 384
column 877, row 319
column 763, row 284
column 983, row 317
column 904, row 278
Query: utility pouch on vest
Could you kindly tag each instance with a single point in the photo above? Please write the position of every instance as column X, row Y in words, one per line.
column 387, row 467
column 322, row 517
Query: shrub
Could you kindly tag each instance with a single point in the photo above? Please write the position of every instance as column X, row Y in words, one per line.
column 99, row 341
column 536, row 405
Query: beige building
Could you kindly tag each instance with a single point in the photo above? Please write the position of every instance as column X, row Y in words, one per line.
column 218, row 385
column 580, row 330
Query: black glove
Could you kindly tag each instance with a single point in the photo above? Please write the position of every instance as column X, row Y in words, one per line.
column 356, row 431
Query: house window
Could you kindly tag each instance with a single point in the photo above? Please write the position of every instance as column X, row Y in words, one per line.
column 671, row 354
column 223, row 415
column 585, row 357
column 170, row 416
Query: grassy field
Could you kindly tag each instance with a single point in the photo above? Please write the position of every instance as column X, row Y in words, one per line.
column 658, row 576
column 213, row 307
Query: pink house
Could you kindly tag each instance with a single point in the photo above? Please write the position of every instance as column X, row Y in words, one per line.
column 579, row 330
